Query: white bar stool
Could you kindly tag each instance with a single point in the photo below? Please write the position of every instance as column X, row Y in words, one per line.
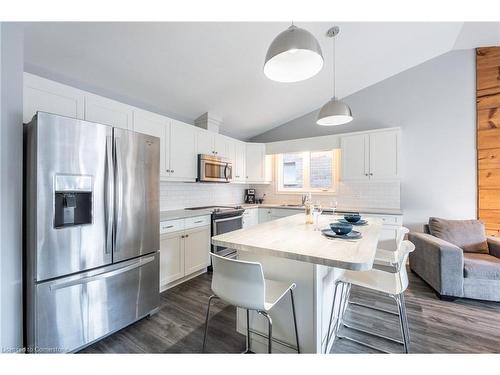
column 392, row 282
column 242, row 284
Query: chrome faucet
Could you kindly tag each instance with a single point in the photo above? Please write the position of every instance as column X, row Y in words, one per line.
column 304, row 197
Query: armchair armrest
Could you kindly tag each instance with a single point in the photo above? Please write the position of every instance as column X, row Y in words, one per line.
column 494, row 246
column 439, row 263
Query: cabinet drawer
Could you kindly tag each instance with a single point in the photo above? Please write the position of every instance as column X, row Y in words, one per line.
column 199, row 221
column 171, row 226
column 388, row 219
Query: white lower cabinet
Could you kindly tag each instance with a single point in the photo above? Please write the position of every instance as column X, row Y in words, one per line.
column 250, row 217
column 171, row 258
column 184, row 249
column 196, row 249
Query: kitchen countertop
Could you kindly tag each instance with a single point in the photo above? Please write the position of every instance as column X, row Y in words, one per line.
column 291, row 238
column 183, row 213
column 380, row 211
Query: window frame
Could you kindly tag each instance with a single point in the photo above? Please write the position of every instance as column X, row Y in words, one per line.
column 278, row 171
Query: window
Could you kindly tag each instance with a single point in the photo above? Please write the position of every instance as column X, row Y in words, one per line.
column 307, row 171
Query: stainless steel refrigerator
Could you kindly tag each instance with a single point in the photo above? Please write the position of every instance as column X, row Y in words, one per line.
column 91, row 231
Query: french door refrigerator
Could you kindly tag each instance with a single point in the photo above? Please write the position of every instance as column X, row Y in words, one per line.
column 91, row 231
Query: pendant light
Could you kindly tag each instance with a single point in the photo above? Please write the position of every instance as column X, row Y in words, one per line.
column 335, row 112
column 294, row 55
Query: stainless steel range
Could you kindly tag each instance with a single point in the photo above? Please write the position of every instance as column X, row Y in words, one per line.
column 91, row 230
column 224, row 219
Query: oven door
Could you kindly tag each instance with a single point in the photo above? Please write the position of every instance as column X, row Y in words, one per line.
column 215, row 171
column 225, row 225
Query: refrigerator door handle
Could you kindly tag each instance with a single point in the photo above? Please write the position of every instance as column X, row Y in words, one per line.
column 103, row 275
column 118, row 192
column 109, row 194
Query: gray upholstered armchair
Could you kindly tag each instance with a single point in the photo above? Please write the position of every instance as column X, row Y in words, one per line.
column 456, row 259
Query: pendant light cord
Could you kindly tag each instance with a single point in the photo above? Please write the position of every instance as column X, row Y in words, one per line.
column 333, row 67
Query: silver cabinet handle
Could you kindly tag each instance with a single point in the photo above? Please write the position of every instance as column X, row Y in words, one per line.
column 102, row 275
column 187, row 235
column 171, row 171
column 199, row 221
column 371, row 174
column 168, row 226
column 168, row 170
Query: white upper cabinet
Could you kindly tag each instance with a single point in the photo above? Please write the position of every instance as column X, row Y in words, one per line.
column 239, row 162
column 223, row 146
column 108, row 112
column 40, row 94
column 205, row 142
column 157, row 126
column 255, row 162
column 354, row 157
column 183, row 155
column 370, row 156
column 384, row 155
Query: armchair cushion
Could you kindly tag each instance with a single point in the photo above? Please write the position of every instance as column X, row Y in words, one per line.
column 494, row 246
column 469, row 235
column 481, row 266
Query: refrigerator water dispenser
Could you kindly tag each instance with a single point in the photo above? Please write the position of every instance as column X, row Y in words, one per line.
column 72, row 201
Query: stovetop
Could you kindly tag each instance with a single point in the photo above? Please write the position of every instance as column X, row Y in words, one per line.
column 216, row 208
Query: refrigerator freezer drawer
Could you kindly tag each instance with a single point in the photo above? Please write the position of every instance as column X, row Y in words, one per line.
column 74, row 311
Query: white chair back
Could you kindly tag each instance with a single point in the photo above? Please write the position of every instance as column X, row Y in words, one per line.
column 400, row 236
column 404, row 251
column 238, row 282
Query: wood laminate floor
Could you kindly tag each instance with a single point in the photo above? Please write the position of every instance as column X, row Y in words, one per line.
column 463, row 326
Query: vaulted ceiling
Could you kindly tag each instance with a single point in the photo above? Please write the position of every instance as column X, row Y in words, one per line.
column 191, row 68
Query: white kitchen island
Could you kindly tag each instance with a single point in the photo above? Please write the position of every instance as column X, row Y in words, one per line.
column 291, row 251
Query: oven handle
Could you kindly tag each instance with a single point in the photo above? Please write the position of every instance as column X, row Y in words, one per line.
column 228, row 218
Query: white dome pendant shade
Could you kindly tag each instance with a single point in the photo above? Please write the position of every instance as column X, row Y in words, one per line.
column 293, row 56
column 334, row 112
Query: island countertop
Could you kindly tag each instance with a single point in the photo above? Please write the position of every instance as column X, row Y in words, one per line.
column 290, row 237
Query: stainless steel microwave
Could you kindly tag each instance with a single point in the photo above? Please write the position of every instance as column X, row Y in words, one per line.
column 214, row 169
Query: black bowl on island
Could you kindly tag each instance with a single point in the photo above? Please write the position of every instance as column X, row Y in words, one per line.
column 341, row 228
column 352, row 218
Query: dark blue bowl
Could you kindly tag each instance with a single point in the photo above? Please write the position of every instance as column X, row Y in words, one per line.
column 352, row 218
column 341, row 228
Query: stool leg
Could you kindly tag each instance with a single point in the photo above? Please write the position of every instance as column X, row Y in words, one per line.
column 206, row 322
column 403, row 321
column 328, row 335
column 270, row 329
column 295, row 322
column 248, row 332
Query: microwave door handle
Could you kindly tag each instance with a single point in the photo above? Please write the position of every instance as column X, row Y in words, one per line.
column 225, row 171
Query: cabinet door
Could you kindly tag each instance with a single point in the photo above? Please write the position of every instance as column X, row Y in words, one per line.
column 354, row 157
column 157, row 126
column 265, row 215
column 239, row 162
column 171, row 257
column 222, row 146
column 196, row 249
column 204, row 142
column 40, row 94
column 384, row 147
column 255, row 162
column 183, row 160
column 108, row 112
column 250, row 217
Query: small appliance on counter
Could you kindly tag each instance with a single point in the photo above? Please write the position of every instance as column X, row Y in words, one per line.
column 250, row 196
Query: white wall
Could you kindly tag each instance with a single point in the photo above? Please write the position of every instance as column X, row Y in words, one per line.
column 11, row 149
column 434, row 104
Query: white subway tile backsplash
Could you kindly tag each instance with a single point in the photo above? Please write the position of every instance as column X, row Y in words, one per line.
column 178, row 195
column 373, row 194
